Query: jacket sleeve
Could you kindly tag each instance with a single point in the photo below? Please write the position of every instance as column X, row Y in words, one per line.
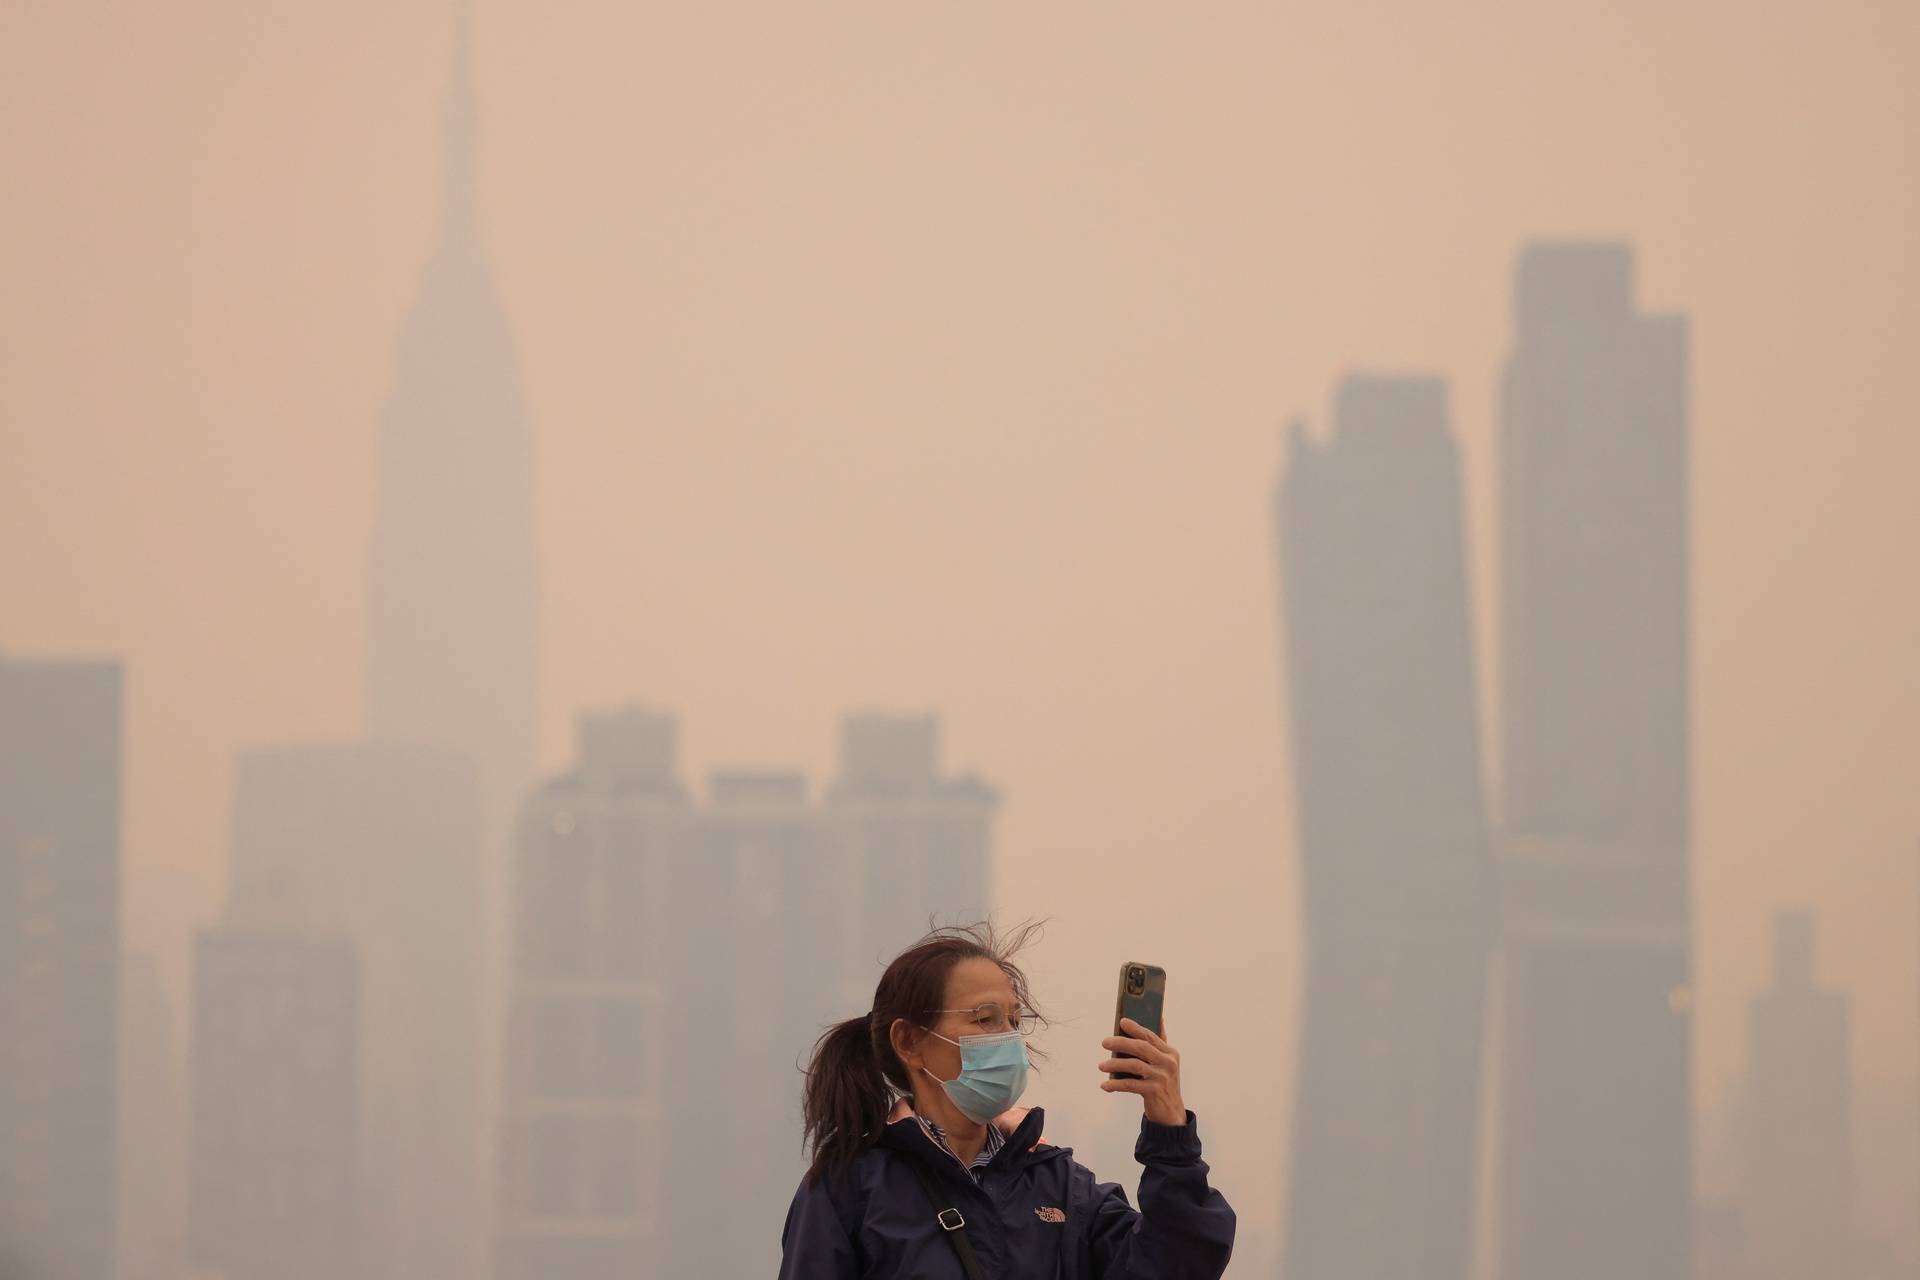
column 814, row 1244
column 1183, row 1229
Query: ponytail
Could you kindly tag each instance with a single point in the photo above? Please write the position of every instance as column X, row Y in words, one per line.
column 854, row 1074
column 847, row 1096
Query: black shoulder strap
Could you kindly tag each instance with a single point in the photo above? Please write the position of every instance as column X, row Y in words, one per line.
column 950, row 1221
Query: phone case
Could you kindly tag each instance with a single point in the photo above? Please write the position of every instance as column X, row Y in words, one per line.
column 1143, row 1004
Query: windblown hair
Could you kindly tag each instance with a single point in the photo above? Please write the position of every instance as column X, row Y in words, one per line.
column 855, row 1075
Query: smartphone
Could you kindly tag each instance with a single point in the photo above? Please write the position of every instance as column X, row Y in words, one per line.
column 1143, row 990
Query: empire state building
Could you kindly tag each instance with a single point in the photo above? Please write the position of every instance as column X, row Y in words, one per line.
column 452, row 607
column 452, row 613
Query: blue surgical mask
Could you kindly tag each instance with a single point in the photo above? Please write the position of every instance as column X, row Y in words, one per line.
column 993, row 1074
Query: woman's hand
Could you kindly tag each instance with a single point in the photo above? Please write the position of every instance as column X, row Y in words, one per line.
column 1156, row 1062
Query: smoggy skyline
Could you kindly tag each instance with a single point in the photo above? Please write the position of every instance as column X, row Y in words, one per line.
column 929, row 359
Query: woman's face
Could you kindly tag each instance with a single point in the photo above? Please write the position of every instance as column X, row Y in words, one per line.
column 972, row 983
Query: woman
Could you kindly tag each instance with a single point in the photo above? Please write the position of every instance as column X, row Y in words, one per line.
column 914, row 1102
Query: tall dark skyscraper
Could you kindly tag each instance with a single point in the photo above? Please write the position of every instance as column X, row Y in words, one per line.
column 1798, row 1153
column 60, row 769
column 1394, row 856
column 452, row 611
column 1594, row 1088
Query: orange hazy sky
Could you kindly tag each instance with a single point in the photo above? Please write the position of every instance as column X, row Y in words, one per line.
column 935, row 355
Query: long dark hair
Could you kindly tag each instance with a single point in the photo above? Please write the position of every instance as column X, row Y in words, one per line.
column 855, row 1075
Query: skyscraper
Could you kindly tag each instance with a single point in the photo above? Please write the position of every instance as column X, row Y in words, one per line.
column 380, row 846
column 152, row 1127
column 913, row 843
column 777, row 932
column 275, row 1112
column 1798, row 1154
column 1595, row 1118
column 452, row 608
column 612, row 1053
column 673, row 963
column 60, row 762
column 1394, row 856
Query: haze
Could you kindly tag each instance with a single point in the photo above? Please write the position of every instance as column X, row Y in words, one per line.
column 937, row 358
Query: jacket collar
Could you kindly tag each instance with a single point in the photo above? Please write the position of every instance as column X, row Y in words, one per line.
column 1021, row 1127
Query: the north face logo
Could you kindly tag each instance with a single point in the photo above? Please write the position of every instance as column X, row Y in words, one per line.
column 1047, row 1213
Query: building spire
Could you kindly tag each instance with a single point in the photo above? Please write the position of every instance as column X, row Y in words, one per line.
column 457, row 215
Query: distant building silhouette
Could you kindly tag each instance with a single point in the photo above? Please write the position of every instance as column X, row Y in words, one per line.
column 152, row 1126
column 594, row 1012
column 60, row 775
column 1798, row 1153
column 275, row 1111
column 452, row 612
column 1595, row 1124
column 645, row 923
column 452, row 606
column 913, row 842
column 1876, row 1258
column 1719, row 1241
column 1394, row 855
column 162, row 910
column 381, row 845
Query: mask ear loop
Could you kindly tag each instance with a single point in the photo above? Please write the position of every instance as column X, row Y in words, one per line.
column 936, row 1079
column 923, row 1066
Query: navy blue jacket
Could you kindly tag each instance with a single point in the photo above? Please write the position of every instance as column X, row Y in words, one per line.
column 1035, row 1214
